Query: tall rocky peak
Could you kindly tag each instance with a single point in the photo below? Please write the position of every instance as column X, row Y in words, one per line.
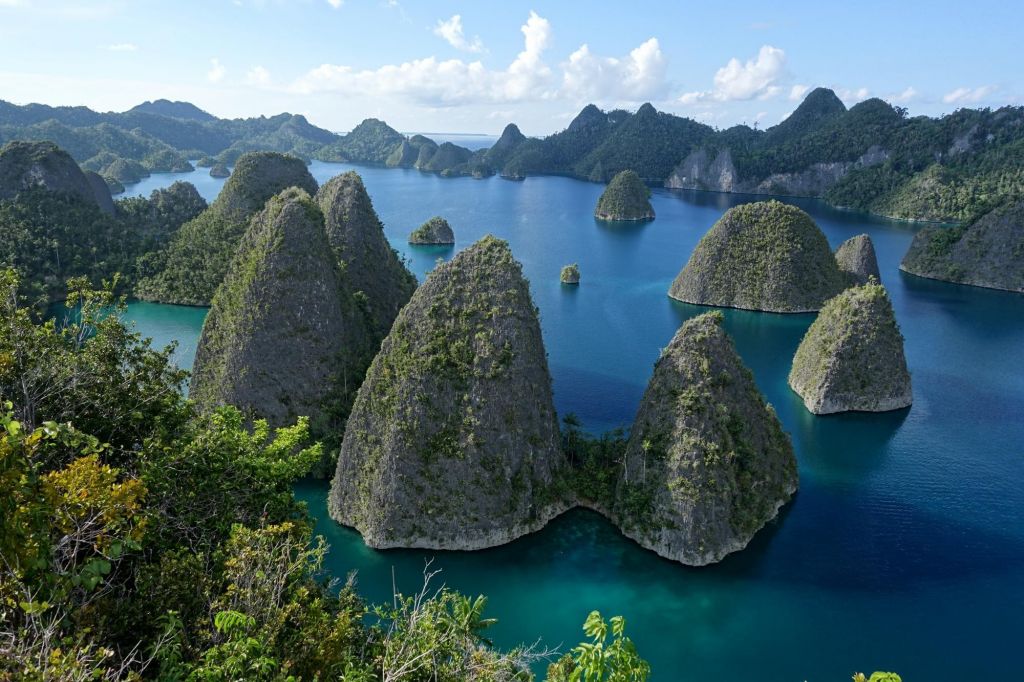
column 625, row 198
column 589, row 117
column 988, row 253
column 852, row 358
column 357, row 236
column 44, row 165
column 498, row 155
column 284, row 335
column 766, row 256
column 707, row 464
column 856, row 258
column 256, row 178
column 453, row 442
column 820, row 104
column 197, row 258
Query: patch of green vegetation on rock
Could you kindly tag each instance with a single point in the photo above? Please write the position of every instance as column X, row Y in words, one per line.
column 570, row 274
column 766, row 256
column 856, row 258
column 457, row 403
column 707, row 463
column 625, row 198
column 852, row 358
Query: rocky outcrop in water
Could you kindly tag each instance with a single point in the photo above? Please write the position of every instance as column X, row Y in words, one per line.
column 219, row 170
column 283, row 331
column 453, row 441
column 435, row 231
column 625, row 198
column 707, row 464
column 852, row 358
column 126, row 171
column 766, row 256
column 197, row 258
column 43, row 165
column 856, row 257
column 356, row 234
column 989, row 253
column 570, row 274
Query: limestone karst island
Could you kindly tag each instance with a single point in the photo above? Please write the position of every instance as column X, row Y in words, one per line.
column 489, row 342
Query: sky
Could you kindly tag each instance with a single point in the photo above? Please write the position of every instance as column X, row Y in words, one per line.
column 474, row 66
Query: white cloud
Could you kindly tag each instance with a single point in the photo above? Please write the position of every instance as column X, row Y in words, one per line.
column 850, row 96
column 968, row 95
column 907, row 95
column 216, row 72
column 451, row 31
column 336, row 4
column 638, row 76
column 257, row 75
column 797, row 92
column 740, row 81
column 119, row 47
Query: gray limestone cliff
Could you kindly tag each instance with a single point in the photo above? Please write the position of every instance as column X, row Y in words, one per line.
column 852, row 358
column 30, row 165
column 371, row 266
column 453, row 441
column 707, row 464
column 435, row 231
column 283, row 329
column 856, row 257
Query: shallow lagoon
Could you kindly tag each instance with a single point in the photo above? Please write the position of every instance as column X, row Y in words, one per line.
column 904, row 548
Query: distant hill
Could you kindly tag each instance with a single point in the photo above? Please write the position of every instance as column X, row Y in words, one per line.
column 871, row 157
column 165, row 107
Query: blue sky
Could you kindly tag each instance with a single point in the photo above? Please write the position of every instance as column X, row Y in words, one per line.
column 445, row 66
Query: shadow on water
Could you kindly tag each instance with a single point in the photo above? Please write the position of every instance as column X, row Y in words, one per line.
column 849, row 445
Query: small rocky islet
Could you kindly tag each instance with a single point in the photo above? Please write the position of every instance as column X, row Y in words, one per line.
column 852, row 357
column 987, row 253
column 625, row 198
column 570, row 274
column 856, row 257
column 434, row 232
column 767, row 256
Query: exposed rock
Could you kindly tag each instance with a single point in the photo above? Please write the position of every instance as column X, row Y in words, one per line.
column 100, row 191
column 707, row 464
column 570, row 274
column 989, row 253
column 357, row 235
column 856, row 257
column 434, row 231
column 625, row 198
column 219, row 170
column 197, row 258
column 28, row 165
column 851, row 358
column 766, row 256
column 283, row 330
column 698, row 171
column 453, row 441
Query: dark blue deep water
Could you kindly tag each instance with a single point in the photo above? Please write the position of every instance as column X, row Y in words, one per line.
column 904, row 548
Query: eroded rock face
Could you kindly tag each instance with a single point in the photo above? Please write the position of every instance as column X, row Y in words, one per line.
column 453, row 441
column 707, row 464
column 989, row 253
column 435, row 231
column 625, row 198
column 100, row 191
column 852, row 358
column 701, row 169
column 357, row 236
column 856, row 257
column 766, row 256
column 29, row 165
column 283, row 330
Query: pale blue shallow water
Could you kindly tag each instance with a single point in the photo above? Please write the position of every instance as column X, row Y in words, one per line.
column 904, row 548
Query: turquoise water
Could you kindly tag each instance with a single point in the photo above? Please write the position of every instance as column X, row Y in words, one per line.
column 904, row 548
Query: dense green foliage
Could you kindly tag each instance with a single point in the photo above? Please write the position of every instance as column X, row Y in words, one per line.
column 436, row 230
column 625, row 198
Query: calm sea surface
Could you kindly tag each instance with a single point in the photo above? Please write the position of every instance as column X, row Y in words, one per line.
column 904, row 548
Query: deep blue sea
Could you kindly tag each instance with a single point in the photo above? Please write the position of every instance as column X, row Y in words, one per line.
column 904, row 548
